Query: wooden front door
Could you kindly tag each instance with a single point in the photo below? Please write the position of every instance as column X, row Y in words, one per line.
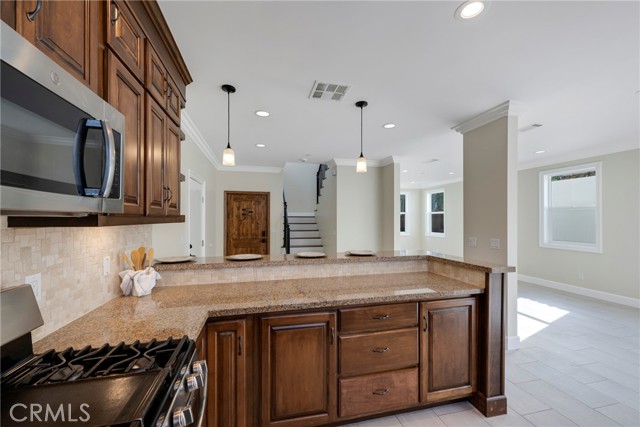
column 246, row 223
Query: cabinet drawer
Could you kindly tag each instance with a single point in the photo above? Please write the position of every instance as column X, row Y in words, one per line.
column 378, row 351
column 378, row 317
column 368, row 394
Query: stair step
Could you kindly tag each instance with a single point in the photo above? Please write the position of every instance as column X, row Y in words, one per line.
column 313, row 241
column 296, row 234
column 307, row 227
column 302, row 220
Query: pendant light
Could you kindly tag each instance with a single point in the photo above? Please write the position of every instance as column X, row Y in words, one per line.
column 361, row 163
column 228, row 156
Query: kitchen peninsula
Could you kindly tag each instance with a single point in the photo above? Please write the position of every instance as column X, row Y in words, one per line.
column 314, row 342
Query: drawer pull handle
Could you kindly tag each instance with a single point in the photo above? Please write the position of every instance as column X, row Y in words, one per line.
column 381, row 392
column 380, row 350
column 381, row 317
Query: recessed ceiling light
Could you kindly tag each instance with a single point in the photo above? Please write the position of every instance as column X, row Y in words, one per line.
column 539, row 151
column 262, row 113
column 388, row 125
column 469, row 9
column 452, row 173
column 260, row 145
column 405, row 170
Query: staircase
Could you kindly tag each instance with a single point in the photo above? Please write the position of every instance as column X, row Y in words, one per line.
column 305, row 236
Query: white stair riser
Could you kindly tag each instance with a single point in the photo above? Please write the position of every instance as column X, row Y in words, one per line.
column 306, row 242
column 302, row 220
column 307, row 249
column 312, row 227
column 302, row 233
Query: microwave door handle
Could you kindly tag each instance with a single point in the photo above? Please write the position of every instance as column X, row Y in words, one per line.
column 79, row 142
column 109, row 159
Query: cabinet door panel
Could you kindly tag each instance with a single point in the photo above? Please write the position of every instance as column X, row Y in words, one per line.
column 67, row 32
column 172, row 168
column 127, row 95
column 226, row 358
column 156, row 76
column 156, row 193
column 298, row 369
column 125, row 37
column 449, row 349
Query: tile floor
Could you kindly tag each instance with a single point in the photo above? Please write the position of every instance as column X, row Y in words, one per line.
column 578, row 365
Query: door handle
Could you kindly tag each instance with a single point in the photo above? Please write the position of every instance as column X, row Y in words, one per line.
column 263, row 241
column 264, row 233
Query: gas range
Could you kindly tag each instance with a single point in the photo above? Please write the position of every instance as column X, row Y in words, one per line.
column 142, row 384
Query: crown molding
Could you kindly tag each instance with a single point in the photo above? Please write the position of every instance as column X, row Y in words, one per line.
column 196, row 137
column 430, row 185
column 370, row 163
column 580, row 155
column 256, row 169
column 506, row 109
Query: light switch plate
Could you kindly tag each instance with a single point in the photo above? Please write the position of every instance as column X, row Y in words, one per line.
column 494, row 243
column 473, row 242
column 106, row 266
column 35, row 280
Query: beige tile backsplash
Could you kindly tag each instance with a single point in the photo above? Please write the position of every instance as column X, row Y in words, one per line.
column 70, row 261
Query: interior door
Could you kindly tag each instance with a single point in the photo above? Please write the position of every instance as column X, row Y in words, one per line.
column 196, row 217
column 246, row 223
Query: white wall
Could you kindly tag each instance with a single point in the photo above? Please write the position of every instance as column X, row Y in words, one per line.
column 173, row 239
column 453, row 241
column 359, row 216
column 327, row 212
column 390, row 206
column 249, row 181
column 617, row 269
column 299, row 180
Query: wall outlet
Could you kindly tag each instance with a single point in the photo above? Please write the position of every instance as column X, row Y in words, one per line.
column 35, row 280
column 106, row 266
column 494, row 243
column 473, row 242
column 581, row 276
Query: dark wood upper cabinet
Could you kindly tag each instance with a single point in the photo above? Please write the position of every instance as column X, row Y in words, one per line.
column 449, row 349
column 299, row 354
column 175, row 102
column 126, row 94
column 156, row 76
column 156, row 140
column 67, row 32
column 172, row 168
column 125, row 37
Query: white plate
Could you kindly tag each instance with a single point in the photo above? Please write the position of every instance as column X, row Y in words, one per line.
column 361, row 253
column 175, row 259
column 310, row 254
column 244, row 257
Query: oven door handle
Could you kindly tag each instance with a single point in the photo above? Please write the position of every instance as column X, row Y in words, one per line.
column 203, row 396
column 79, row 144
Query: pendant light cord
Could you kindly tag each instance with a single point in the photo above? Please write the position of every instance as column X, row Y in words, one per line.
column 361, row 108
column 228, row 120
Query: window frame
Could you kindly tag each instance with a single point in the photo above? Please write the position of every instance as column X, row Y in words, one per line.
column 544, row 237
column 406, row 231
column 428, row 211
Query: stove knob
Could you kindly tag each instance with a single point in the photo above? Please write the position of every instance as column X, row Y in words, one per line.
column 183, row 417
column 194, row 382
column 176, row 385
column 200, row 367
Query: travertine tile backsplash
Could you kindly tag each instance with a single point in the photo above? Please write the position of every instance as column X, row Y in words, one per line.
column 70, row 260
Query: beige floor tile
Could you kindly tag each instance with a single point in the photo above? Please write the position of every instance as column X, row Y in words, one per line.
column 622, row 414
column 391, row 421
column 423, row 418
column 549, row 418
column 471, row 418
column 511, row 419
column 451, row 408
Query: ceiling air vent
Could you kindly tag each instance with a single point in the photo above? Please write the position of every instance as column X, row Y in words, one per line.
column 328, row 91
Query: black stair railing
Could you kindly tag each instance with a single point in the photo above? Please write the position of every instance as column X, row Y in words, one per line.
column 286, row 244
column 320, row 176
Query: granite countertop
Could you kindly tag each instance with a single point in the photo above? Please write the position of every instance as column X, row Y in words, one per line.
column 335, row 258
column 183, row 310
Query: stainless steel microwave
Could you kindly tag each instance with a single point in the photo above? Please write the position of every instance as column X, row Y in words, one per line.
column 61, row 145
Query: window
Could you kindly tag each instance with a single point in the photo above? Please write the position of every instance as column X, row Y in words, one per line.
column 403, row 214
column 435, row 213
column 570, row 210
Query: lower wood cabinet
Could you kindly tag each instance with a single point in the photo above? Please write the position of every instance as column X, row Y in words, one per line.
column 298, row 364
column 227, row 347
column 448, row 368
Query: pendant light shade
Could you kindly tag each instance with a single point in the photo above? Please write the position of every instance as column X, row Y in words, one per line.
column 361, row 163
column 228, row 156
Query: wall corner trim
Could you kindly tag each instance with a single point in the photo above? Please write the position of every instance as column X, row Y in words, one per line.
column 513, row 342
column 506, row 109
column 591, row 293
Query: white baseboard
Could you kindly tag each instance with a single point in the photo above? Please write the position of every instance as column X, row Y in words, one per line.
column 513, row 342
column 591, row 293
column 301, row 214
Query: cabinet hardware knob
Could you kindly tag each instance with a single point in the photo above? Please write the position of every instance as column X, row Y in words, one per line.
column 380, row 350
column 381, row 392
column 333, row 334
column 31, row 16
column 240, row 345
column 380, row 317
column 426, row 322
column 116, row 14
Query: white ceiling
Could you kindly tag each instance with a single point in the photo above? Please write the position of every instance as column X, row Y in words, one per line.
column 574, row 66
